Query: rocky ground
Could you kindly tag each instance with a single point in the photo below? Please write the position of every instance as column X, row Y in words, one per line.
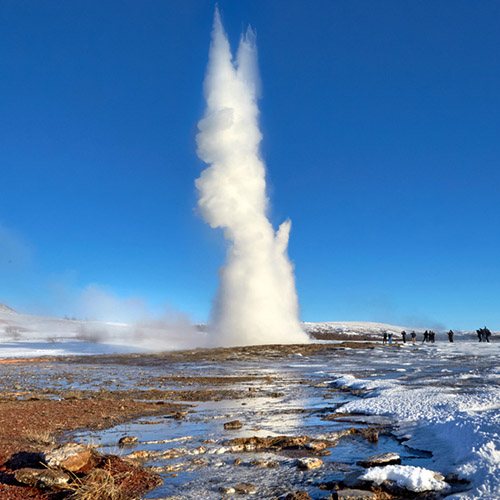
column 42, row 399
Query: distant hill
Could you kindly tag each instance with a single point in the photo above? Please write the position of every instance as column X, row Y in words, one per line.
column 342, row 330
column 28, row 328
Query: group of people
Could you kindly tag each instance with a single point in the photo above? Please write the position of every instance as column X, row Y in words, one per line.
column 483, row 335
column 429, row 336
column 387, row 337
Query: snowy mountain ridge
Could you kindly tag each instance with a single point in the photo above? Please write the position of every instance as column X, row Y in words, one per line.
column 16, row 326
column 4, row 308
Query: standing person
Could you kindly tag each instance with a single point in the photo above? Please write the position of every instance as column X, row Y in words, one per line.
column 450, row 335
column 480, row 334
column 426, row 337
column 403, row 334
column 390, row 338
column 413, row 336
column 487, row 334
column 432, row 336
column 384, row 339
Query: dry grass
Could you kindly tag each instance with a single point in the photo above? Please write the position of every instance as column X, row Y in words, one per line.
column 98, row 485
column 40, row 437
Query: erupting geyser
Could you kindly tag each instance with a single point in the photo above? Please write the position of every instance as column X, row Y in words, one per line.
column 256, row 302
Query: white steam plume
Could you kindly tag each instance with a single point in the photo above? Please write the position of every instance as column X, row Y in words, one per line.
column 256, row 302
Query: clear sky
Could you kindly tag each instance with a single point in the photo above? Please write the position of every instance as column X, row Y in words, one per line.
column 381, row 126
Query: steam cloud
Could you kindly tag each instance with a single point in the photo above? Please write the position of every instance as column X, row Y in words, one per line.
column 256, row 302
column 130, row 321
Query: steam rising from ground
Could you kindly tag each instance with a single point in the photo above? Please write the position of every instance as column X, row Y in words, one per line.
column 256, row 302
column 100, row 317
column 132, row 322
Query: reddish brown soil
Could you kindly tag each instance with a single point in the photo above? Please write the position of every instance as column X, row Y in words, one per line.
column 21, row 421
column 25, row 360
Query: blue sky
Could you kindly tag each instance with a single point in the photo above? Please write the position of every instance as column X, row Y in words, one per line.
column 380, row 123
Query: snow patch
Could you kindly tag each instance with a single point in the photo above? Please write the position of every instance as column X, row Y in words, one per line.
column 411, row 478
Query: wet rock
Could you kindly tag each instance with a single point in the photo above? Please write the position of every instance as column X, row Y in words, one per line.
column 227, row 490
column 438, row 476
column 138, row 455
column 256, row 443
column 234, row 425
column 244, row 488
column 308, row 463
column 180, row 415
column 42, row 478
column 298, row 495
column 323, row 453
column 354, row 481
column 397, row 490
column 128, row 440
column 179, row 452
column 275, row 394
column 393, row 488
column 71, row 457
column 219, row 451
column 168, row 468
column 198, row 451
column 380, row 460
column 316, row 445
column 372, row 437
column 264, row 463
column 199, row 461
column 258, row 463
column 371, row 434
column 356, row 495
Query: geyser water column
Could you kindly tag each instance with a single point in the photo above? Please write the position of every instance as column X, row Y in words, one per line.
column 256, row 302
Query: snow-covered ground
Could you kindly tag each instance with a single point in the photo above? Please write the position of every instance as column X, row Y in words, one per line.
column 445, row 399
column 23, row 335
column 356, row 329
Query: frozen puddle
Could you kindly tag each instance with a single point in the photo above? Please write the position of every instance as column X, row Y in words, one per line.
column 195, row 460
column 200, row 475
column 442, row 398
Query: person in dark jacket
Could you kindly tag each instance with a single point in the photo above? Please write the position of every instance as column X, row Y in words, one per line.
column 487, row 334
column 480, row 334
column 450, row 335
column 403, row 334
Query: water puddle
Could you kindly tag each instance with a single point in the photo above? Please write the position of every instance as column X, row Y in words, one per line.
column 195, row 459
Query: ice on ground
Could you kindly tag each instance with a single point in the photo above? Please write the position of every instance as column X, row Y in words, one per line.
column 447, row 400
column 454, row 413
column 409, row 477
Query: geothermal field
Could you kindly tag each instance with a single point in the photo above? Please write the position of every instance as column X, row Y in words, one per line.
column 250, row 402
column 266, row 421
